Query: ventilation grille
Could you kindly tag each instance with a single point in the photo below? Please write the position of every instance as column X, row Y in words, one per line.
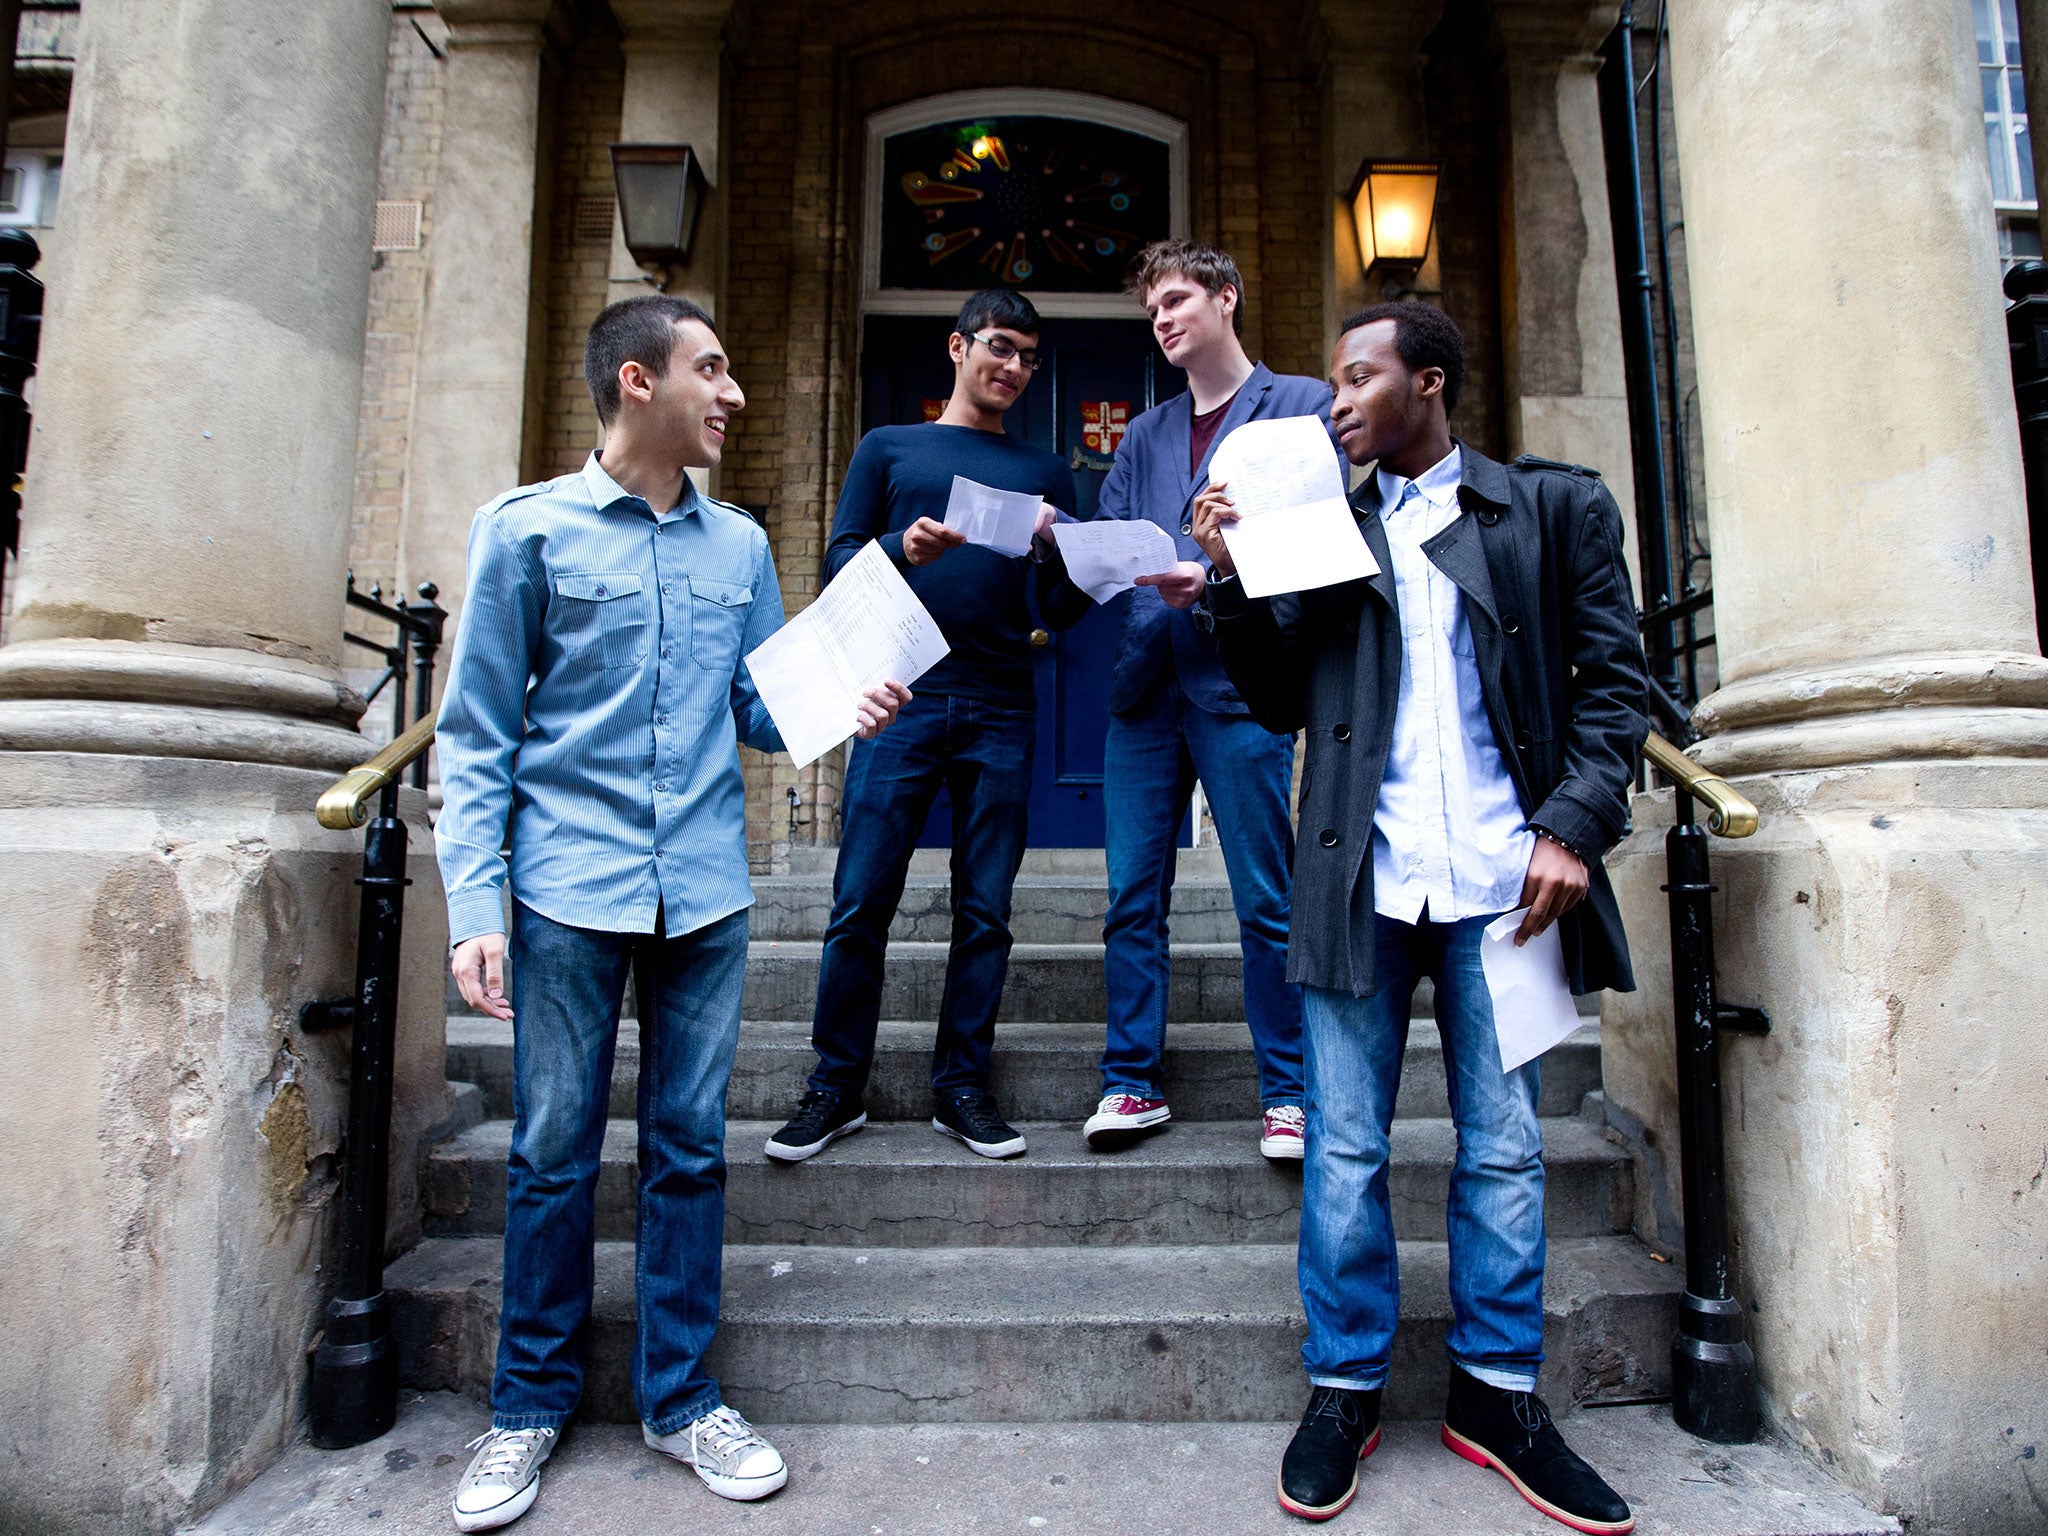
column 397, row 227
column 593, row 221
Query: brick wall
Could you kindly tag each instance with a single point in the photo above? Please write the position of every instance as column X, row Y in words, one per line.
column 405, row 173
column 577, row 270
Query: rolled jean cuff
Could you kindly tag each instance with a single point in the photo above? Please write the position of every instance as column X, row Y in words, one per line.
column 553, row 1421
column 675, row 1421
column 1373, row 1383
column 1497, row 1376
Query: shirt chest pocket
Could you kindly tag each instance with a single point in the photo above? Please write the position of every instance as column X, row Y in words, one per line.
column 718, row 621
column 602, row 617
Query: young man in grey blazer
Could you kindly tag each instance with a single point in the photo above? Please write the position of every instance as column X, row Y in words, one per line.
column 1473, row 711
column 1175, row 718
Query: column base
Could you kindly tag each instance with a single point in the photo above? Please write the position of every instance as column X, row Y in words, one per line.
column 1884, row 1141
column 1890, row 708
column 135, row 698
column 174, row 1136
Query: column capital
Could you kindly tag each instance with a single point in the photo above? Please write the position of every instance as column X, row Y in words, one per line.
column 670, row 23
column 500, row 23
column 1540, row 36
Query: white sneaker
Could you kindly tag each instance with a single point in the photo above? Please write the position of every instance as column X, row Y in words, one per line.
column 1283, row 1132
column 731, row 1457
column 503, row 1478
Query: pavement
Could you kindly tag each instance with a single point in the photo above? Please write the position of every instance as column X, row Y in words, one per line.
column 1035, row 1480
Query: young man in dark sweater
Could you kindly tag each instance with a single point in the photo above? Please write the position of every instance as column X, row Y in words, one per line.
column 970, row 727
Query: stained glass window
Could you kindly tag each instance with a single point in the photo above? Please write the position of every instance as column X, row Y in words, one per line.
column 1049, row 204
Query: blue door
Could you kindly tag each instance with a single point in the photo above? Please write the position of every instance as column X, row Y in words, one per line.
column 1096, row 375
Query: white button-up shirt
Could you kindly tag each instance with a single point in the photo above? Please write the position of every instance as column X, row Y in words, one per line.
column 1448, row 836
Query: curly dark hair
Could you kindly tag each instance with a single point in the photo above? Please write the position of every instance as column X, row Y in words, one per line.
column 1425, row 337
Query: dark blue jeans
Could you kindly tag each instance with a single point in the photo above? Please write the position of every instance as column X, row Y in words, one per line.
column 982, row 754
column 1349, row 1283
column 1155, row 752
column 567, row 985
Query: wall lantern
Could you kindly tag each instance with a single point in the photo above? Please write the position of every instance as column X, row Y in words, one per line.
column 1393, row 205
column 661, row 190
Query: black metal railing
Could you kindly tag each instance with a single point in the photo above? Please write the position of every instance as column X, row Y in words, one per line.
column 1713, row 1370
column 355, row 1368
column 412, row 650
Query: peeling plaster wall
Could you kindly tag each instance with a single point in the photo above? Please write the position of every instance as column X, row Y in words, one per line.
column 1888, row 1140
column 167, row 1204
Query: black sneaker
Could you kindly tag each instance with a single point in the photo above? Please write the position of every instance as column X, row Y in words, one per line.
column 972, row 1118
column 1511, row 1432
column 1319, row 1473
column 821, row 1118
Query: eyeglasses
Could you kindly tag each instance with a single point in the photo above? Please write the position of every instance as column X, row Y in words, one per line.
column 1002, row 350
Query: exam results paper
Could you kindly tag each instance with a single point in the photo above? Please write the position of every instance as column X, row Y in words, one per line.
column 865, row 628
column 1295, row 531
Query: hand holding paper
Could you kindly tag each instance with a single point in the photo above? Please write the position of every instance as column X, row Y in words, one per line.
column 819, row 672
column 1294, row 530
column 1533, row 1008
column 1003, row 520
column 1107, row 557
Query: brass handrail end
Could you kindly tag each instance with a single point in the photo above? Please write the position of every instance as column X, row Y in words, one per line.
column 344, row 805
column 1730, row 813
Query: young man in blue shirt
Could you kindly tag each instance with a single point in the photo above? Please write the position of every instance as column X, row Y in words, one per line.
column 971, row 729
column 1175, row 718
column 592, row 709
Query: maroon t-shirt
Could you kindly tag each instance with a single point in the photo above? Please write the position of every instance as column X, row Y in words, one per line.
column 1204, row 433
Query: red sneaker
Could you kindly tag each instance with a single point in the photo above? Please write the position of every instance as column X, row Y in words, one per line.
column 1123, row 1114
column 1284, row 1133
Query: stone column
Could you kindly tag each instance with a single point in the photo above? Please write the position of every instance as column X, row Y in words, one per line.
column 473, row 410
column 1561, row 360
column 1884, row 705
column 170, row 709
column 673, row 94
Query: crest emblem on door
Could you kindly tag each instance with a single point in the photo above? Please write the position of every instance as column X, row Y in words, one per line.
column 1103, row 423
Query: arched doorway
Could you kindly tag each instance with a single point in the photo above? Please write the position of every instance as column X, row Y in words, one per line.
column 1051, row 193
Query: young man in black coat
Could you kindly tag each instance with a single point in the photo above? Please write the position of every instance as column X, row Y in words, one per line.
column 1473, row 712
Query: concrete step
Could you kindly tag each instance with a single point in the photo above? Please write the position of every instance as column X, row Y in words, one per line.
column 903, row 1185
column 1062, row 1479
column 1044, row 909
column 1057, row 982
column 956, row 1335
column 1041, row 1071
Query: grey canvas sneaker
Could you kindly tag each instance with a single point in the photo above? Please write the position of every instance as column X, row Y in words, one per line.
column 503, row 1478
column 731, row 1457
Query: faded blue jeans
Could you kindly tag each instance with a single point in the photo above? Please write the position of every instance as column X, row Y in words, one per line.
column 1349, row 1282
column 567, row 986
column 1154, row 753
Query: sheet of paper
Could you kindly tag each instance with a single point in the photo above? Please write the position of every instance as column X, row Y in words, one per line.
column 1294, row 531
column 865, row 628
column 1107, row 557
column 1002, row 520
column 1533, row 1007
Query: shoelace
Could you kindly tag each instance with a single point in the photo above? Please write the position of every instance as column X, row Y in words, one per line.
column 980, row 1115
column 1121, row 1104
column 724, row 1431
column 1288, row 1115
column 1332, row 1403
column 510, row 1450
column 814, row 1105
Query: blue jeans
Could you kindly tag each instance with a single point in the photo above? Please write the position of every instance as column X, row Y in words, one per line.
column 567, row 985
column 981, row 753
column 1349, row 1284
column 1155, row 752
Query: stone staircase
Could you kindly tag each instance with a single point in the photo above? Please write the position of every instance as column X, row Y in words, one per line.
column 897, row 1278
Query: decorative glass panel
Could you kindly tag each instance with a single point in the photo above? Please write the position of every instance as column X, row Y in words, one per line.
column 1048, row 204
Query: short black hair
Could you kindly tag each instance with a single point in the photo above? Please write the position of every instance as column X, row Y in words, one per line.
column 1001, row 307
column 1425, row 337
column 640, row 330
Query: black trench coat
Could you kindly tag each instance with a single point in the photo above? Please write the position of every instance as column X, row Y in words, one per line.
column 1537, row 555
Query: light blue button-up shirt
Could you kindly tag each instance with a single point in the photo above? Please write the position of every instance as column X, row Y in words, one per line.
column 1448, row 834
column 593, row 706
